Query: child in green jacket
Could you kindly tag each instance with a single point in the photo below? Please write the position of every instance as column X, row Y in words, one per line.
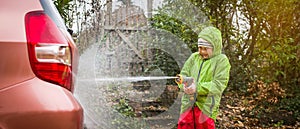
column 210, row 70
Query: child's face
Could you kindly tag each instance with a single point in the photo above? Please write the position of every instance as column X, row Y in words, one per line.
column 205, row 52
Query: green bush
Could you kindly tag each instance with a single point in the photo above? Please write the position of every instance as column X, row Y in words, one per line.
column 291, row 104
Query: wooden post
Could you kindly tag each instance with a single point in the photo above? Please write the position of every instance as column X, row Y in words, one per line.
column 108, row 22
column 108, row 39
column 109, row 11
column 149, row 8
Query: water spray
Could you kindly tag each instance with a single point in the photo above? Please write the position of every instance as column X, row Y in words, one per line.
column 179, row 79
column 130, row 79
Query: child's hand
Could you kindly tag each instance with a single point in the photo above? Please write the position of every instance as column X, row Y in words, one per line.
column 191, row 89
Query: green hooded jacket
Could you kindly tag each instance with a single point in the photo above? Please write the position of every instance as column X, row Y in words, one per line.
column 213, row 77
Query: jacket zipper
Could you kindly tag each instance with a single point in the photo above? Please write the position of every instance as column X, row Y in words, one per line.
column 195, row 94
column 200, row 69
column 199, row 74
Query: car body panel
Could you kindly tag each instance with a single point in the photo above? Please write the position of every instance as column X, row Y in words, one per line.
column 36, row 104
column 14, row 64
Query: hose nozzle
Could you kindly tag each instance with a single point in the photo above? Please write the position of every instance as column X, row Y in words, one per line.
column 184, row 80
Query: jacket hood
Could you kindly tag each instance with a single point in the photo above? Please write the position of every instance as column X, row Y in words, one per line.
column 212, row 35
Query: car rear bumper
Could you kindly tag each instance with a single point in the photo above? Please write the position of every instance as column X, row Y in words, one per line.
column 36, row 104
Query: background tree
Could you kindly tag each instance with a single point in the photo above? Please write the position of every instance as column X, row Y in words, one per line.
column 65, row 8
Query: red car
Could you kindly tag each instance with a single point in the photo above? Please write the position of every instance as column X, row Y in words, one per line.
column 38, row 64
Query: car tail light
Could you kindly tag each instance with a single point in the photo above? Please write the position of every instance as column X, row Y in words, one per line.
column 49, row 52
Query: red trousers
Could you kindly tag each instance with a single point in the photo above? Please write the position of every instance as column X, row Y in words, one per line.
column 189, row 119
